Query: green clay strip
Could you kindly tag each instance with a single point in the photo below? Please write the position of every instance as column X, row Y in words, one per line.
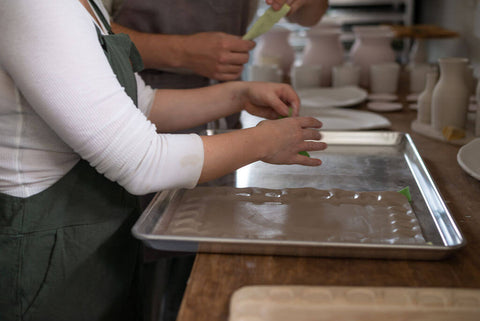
column 406, row 191
column 266, row 22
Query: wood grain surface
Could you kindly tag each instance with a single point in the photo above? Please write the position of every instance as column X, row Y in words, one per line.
column 216, row 276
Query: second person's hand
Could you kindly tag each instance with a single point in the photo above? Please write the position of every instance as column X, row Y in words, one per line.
column 216, row 55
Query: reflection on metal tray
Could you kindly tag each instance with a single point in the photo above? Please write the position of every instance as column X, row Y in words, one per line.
column 355, row 161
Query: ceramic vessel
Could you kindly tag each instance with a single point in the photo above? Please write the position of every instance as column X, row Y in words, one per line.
column 424, row 103
column 384, row 78
column 470, row 79
column 451, row 97
column 324, row 48
column 269, row 73
column 306, row 76
column 372, row 45
column 345, row 75
column 273, row 48
column 417, row 76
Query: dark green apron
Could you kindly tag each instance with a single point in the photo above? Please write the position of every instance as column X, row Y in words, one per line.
column 67, row 253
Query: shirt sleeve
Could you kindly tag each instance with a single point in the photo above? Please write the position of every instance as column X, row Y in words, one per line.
column 146, row 95
column 51, row 50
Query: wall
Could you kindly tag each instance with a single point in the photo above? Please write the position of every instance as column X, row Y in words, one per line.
column 457, row 15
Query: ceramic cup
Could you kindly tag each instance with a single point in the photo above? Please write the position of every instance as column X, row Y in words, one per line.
column 345, row 75
column 306, row 76
column 270, row 73
column 418, row 76
column 384, row 78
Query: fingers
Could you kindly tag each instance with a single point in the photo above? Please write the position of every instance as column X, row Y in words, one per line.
column 311, row 134
column 307, row 161
column 313, row 146
column 237, row 44
column 233, row 58
column 309, row 122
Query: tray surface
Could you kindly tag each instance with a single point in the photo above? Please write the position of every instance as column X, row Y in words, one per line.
column 303, row 214
column 370, row 162
column 308, row 303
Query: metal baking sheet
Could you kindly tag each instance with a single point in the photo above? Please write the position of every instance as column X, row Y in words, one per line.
column 354, row 161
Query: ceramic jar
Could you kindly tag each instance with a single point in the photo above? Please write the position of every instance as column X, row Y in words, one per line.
column 451, row 96
column 424, row 102
column 273, row 48
column 417, row 76
column 372, row 45
column 324, row 48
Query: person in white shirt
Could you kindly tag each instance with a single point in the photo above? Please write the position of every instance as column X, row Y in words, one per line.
column 75, row 149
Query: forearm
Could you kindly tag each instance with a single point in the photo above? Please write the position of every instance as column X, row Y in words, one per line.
column 174, row 110
column 158, row 51
column 225, row 153
column 275, row 142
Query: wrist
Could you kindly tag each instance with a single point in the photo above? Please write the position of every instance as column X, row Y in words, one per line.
column 181, row 56
column 239, row 94
column 262, row 143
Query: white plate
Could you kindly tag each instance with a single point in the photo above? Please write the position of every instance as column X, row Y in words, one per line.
column 332, row 97
column 332, row 119
column 382, row 97
column 468, row 158
column 384, row 106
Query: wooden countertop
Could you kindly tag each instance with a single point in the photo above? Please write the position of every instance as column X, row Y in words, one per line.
column 215, row 277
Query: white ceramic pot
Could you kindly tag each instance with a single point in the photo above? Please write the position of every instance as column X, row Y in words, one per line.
column 306, row 76
column 384, row 78
column 269, row 73
column 451, row 97
column 372, row 45
column 273, row 48
column 345, row 75
column 424, row 102
column 324, row 48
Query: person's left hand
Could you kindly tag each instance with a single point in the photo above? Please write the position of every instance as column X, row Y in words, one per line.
column 271, row 100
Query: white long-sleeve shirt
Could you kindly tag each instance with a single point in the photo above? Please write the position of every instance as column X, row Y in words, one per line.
column 60, row 101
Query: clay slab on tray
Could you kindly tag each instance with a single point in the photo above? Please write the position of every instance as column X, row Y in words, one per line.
column 317, row 303
column 303, row 214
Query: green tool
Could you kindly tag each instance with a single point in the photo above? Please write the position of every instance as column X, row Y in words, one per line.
column 266, row 22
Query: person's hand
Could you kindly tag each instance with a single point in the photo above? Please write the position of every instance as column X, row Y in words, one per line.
column 216, row 55
column 304, row 12
column 285, row 138
column 270, row 100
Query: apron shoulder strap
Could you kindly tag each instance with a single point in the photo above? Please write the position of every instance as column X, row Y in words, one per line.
column 101, row 16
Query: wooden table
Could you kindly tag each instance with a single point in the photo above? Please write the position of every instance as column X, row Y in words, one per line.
column 216, row 276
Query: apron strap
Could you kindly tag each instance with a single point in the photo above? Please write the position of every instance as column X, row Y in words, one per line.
column 99, row 13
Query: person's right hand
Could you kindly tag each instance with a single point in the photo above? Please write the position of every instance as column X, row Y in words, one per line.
column 216, row 55
column 285, row 138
